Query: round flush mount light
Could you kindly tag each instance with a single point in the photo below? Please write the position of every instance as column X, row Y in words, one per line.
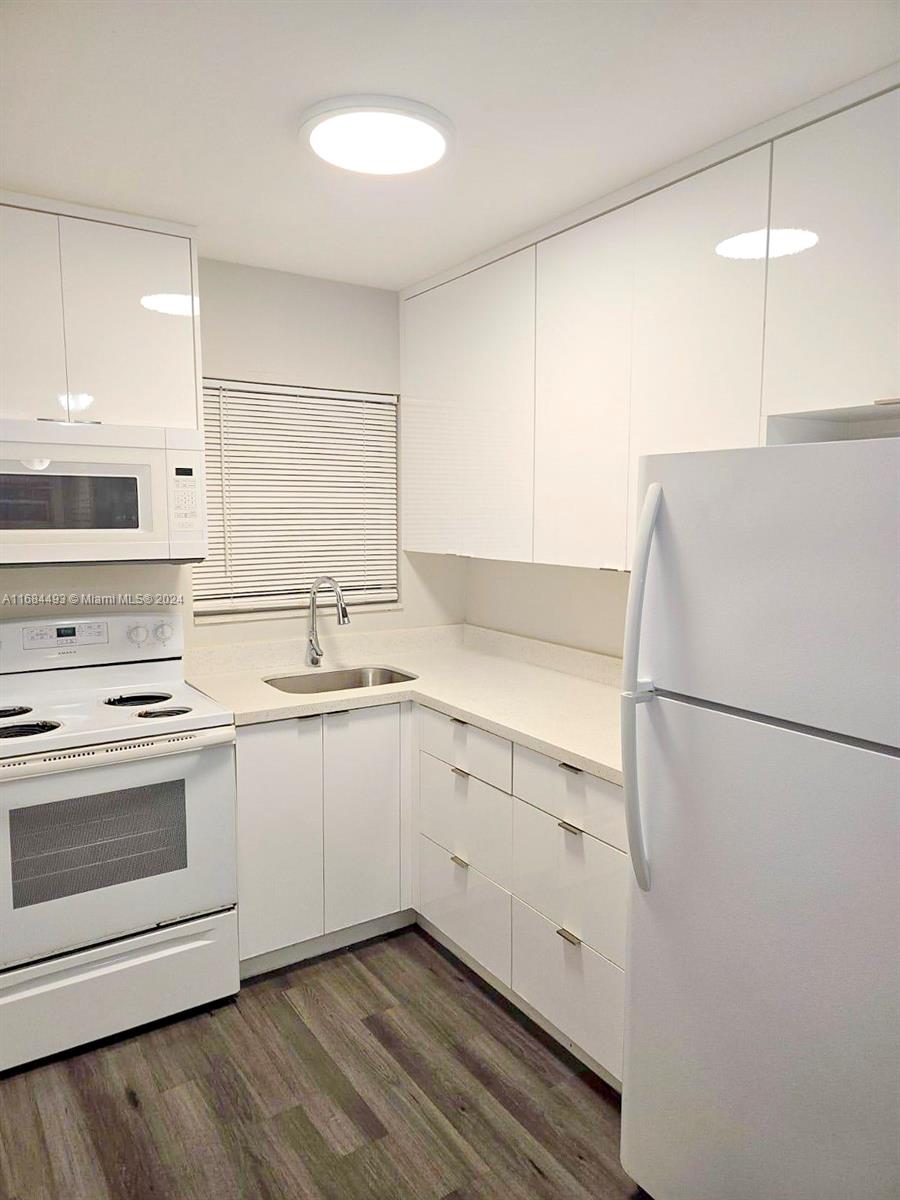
column 376, row 135
column 780, row 243
column 173, row 304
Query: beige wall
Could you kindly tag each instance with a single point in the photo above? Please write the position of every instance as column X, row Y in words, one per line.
column 569, row 605
column 274, row 327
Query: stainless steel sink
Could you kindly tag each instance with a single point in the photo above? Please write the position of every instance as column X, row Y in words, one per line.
column 338, row 681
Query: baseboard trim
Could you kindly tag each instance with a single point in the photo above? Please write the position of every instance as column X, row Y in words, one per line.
column 517, row 1001
column 287, row 956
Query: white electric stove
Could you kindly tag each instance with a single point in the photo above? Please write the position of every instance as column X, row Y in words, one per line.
column 117, row 833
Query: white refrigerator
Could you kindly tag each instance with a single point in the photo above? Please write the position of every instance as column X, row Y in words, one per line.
column 760, row 727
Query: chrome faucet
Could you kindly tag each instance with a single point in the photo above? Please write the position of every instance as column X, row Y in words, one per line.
column 314, row 651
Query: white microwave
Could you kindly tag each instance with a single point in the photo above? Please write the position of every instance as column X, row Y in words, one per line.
column 100, row 493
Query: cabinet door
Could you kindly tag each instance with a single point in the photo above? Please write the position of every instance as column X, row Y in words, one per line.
column 362, row 815
column 583, row 360
column 833, row 310
column 279, row 810
column 468, row 395
column 698, row 317
column 32, row 347
column 127, row 364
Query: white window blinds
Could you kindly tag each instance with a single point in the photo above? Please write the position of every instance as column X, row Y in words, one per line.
column 300, row 483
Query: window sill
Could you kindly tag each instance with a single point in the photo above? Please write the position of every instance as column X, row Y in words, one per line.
column 288, row 614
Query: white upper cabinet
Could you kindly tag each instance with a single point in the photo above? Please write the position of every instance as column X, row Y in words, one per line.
column 833, row 311
column 32, row 346
column 698, row 316
column 127, row 364
column 468, row 416
column 582, row 367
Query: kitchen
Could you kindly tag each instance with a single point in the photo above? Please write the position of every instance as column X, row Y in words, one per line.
column 449, row 672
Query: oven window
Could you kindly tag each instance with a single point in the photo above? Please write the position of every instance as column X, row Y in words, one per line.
column 92, row 842
column 68, row 501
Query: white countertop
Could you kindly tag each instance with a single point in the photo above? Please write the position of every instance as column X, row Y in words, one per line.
column 565, row 715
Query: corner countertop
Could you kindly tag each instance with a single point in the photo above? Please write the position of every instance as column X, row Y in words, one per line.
column 507, row 685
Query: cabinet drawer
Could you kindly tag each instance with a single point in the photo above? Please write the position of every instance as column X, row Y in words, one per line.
column 573, row 879
column 467, row 817
column 467, row 907
column 578, row 990
column 592, row 804
column 482, row 754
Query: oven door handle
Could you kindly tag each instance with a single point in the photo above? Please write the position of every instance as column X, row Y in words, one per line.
column 112, row 753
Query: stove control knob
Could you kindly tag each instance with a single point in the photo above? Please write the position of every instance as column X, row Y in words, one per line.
column 138, row 634
column 163, row 631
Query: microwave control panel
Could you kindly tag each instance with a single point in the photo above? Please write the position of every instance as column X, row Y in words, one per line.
column 185, row 499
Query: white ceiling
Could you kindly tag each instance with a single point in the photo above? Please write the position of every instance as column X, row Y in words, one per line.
column 188, row 109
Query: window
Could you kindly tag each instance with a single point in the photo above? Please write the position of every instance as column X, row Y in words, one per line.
column 300, row 482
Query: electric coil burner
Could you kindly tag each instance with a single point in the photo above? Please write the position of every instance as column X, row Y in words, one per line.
column 28, row 729
column 164, row 712
column 138, row 699
column 14, row 710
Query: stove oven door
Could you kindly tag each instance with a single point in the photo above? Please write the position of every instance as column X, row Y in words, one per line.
column 101, row 842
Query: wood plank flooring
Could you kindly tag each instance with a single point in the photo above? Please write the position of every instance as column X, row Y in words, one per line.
column 385, row 1072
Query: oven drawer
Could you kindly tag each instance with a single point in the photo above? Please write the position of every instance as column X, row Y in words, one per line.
column 96, row 853
column 52, row 1006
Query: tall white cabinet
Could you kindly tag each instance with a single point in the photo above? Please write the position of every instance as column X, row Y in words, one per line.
column 582, row 375
column 32, row 344
column 468, row 413
column 698, row 317
column 833, row 311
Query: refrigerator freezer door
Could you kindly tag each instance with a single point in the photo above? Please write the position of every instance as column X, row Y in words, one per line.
column 774, row 583
column 762, row 981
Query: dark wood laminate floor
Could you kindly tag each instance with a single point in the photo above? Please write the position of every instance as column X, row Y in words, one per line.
column 386, row 1072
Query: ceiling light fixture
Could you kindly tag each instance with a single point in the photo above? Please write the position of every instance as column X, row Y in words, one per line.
column 173, row 304
column 376, row 135
column 780, row 243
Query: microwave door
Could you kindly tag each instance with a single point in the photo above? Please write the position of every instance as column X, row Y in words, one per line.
column 68, row 508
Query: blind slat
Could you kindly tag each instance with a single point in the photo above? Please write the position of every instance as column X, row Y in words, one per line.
column 300, row 483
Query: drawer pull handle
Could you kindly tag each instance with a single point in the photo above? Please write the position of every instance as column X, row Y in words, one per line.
column 569, row 767
column 569, row 937
column 460, row 772
column 570, row 828
column 460, row 862
column 457, row 721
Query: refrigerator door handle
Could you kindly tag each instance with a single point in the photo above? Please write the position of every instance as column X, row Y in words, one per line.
column 636, row 691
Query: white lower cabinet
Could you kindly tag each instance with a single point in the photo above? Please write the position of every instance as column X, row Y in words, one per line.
column 362, row 815
column 467, row 907
column 467, row 817
column 592, row 804
column 577, row 990
column 482, row 754
column 279, row 834
column 578, row 882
